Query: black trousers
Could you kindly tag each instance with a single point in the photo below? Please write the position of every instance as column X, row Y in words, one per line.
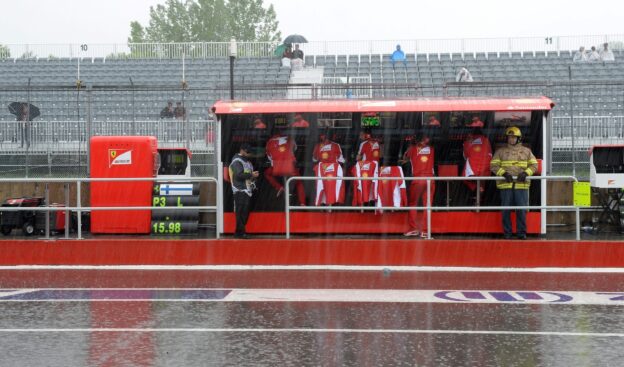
column 241, row 209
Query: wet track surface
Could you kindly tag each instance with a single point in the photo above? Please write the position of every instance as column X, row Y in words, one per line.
column 147, row 325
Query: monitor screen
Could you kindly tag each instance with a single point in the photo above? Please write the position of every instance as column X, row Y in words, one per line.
column 371, row 119
column 281, row 121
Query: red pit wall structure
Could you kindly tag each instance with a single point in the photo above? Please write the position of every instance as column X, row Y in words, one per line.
column 368, row 223
column 365, row 252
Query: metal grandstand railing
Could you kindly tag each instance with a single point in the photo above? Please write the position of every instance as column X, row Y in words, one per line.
column 349, row 87
column 547, row 43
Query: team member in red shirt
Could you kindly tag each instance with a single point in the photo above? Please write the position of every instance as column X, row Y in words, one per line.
column 433, row 121
column 370, row 148
column 326, row 151
column 280, row 150
column 476, row 122
column 478, row 154
column 421, row 157
column 299, row 122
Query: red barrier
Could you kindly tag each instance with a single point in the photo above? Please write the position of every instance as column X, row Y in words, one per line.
column 368, row 223
column 381, row 252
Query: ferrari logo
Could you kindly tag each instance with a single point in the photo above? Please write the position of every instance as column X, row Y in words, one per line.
column 113, row 153
column 375, row 154
column 477, row 149
column 364, row 174
column 282, row 149
column 325, row 155
column 424, row 159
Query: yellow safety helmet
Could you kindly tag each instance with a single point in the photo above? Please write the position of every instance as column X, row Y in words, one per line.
column 513, row 131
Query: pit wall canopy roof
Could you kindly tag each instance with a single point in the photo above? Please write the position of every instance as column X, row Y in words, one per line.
column 402, row 105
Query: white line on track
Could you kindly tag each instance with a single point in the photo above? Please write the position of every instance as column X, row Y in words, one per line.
column 318, row 267
column 304, row 330
column 394, row 296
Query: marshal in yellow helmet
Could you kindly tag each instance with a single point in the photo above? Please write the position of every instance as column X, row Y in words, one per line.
column 513, row 131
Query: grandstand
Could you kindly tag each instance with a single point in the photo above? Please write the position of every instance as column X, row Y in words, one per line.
column 125, row 95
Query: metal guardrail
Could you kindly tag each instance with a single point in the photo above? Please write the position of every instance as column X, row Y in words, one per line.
column 552, row 43
column 427, row 207
column 79, row 208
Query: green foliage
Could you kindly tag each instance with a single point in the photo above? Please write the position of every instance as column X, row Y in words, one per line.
column 5, row 52
column 207, row 21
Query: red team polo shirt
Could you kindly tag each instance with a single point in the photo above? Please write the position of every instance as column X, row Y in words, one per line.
column 329, row 152
column 280, row 151
column 370, row 150
column 422, row 159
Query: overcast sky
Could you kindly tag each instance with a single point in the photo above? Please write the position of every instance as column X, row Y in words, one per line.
column 107, row 21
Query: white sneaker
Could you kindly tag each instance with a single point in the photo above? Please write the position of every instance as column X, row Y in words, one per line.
column 412, row 233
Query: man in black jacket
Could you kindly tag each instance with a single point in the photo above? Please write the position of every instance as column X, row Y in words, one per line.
column 242, row 178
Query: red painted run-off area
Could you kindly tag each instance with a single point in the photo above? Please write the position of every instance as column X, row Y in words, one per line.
column 381, row 252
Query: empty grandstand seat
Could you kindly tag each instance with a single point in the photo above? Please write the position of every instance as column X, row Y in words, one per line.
column 445, row 57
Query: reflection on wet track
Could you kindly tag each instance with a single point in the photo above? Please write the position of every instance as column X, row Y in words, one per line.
column 285, row 318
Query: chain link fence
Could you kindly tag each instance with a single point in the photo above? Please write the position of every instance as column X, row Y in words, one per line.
column 53, row 140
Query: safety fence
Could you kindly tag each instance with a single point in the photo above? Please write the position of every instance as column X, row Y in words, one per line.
column 586, row 131
column 428, row 207
column 55, row 142
column 56, row 136
column 78, row 209
column 69, row 115
column 545, row 43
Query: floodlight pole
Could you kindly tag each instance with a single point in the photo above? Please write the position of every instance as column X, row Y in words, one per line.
column 233, row 54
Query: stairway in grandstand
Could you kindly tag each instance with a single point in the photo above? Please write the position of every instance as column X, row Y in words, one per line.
column 309, row 75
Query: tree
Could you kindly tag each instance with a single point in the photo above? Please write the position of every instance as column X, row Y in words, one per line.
column 207, row 21
column 249, row 21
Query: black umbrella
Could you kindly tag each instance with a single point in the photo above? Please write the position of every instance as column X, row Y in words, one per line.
column 295, row 38
column 17, row 108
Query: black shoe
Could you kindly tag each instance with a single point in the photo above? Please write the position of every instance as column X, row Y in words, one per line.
column 522, row 236
column 243, row 236
column 508, row 236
